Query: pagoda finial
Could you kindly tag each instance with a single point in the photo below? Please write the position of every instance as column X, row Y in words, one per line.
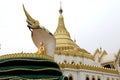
column 61, row 30
column 60, row 11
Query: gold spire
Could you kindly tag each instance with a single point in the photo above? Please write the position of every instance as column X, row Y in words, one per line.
column 61, row 26
column 60, row 11
column 61, row 34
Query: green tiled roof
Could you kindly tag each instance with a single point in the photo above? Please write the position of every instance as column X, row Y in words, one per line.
column 29, row 68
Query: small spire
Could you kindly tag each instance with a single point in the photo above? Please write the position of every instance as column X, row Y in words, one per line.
column 74, row 40
column 100, row 48
column 119, row 51
column 60, row 11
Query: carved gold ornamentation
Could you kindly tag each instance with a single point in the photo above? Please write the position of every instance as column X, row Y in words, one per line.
column 19, row 55
column 34, row 23
column 89, row 67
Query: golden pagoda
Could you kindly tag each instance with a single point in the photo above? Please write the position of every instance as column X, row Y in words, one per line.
column 64, row 44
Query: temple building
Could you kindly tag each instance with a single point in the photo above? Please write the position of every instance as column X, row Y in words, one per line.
column 78, row 64
column 68, row 62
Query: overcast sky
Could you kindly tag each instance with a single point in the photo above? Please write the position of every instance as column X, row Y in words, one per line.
column 93, row 23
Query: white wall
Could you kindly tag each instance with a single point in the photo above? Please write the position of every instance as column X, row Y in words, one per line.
column 81, row 74
column 70, row 59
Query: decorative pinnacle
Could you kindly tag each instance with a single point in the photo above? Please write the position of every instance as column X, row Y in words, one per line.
column 60, row 11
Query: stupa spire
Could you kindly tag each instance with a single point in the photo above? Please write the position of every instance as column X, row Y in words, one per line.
column 61, row 30
column 60, row 11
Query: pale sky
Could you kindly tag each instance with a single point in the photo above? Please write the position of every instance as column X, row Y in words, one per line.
column 93, row 23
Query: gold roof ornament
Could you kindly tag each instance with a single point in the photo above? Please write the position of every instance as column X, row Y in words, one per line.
column 33, row 23
column 24, row 55
column 88, row 67
column 41, row 34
